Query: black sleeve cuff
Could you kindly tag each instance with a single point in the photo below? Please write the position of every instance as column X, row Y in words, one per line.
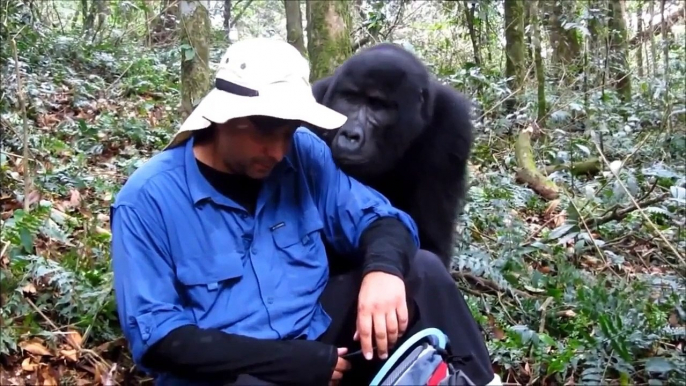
column 387, row 246
column 211, row 355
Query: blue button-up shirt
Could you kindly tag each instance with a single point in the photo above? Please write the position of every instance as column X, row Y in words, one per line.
column 185, row 254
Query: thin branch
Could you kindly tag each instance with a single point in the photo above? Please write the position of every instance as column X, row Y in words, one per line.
column 618, row 214
column 22, row 105
column 240, row 14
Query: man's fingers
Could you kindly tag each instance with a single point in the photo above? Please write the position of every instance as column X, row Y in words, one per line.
column 337, row 375
column 364, row 331
column 342, row 365
column 403, row 317
column 391, row 328
column 380, row 334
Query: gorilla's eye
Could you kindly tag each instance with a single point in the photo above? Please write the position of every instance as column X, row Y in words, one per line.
column 348, row 95
column 377, row 103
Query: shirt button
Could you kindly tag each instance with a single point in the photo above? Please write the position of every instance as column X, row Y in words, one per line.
column 254, row 251
column 244, row 216
column 270, row 300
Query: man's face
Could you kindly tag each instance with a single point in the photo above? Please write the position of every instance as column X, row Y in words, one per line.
column 254, row 145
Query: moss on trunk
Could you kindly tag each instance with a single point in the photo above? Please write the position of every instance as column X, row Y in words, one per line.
column 590, row 166
column 538, row 60
column 328, row 31
column 195, row 55
column 619, row 47
column 515, row 49
column 528, row 173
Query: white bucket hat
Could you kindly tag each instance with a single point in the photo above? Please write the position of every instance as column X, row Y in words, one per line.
column 260, row 76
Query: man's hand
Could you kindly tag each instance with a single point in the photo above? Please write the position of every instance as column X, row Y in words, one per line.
column 341, row 366
column 381, row 309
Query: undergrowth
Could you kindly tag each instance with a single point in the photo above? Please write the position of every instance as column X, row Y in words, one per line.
column 559, row 300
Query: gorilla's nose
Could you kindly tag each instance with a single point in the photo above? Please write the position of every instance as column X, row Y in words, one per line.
column 350, row 139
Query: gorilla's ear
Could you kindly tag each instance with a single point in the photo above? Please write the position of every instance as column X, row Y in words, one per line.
column 320, row 87
column 426, row 98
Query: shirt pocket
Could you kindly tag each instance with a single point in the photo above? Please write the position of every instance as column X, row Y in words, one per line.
column 203, row 275
column 301, row 242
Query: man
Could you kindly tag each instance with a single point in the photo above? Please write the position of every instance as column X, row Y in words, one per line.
column 221, row 273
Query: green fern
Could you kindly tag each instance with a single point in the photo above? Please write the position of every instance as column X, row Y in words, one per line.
column 21, row 229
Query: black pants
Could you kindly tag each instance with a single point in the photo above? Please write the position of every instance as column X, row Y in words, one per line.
column 433, row 301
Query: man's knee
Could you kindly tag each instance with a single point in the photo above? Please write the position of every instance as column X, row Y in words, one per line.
column 428, row 264
column 426, row 269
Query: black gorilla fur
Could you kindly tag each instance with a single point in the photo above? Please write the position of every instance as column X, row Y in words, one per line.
column 407, row 136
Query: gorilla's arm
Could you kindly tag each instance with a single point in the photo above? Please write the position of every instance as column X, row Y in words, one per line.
column 441, row 189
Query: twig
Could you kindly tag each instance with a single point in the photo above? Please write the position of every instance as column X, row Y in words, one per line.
column 22, row 106
column 617, row 214
column 538, row 231
column 640, row 210
column 92, row 356
column 487, row 283
column 239, row 15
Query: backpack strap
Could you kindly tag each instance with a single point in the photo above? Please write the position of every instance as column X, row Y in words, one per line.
column 437, row 338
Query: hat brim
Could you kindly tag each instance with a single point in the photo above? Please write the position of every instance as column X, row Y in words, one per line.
column 219, row 107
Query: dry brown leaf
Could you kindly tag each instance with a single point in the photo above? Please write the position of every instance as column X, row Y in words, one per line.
column 33, row 197
column 72, row 355
column 29, row 288
column 48, row 379
column 35, row 346
column 559, row 220
column 107, row 378
column 567, row 313
column 498, row 332
column 75, row 198
column 74, row 339
column 551, row 207
column 103, row 218
column 527, row 369
column 28, row 366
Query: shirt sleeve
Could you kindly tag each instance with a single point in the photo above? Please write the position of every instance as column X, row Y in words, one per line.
column 347, row 206
column 148, row 303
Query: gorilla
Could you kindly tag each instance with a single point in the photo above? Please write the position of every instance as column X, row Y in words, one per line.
column 407, row 136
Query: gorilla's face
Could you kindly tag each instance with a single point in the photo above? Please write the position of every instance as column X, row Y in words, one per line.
column 383, row 99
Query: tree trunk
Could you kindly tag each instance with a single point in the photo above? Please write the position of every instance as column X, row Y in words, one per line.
column 227, row 19
column 328, row 35
column 619, row 50
column 294, row 26
column 469, row 15
column 195, row 42
column 595, row 25
column 514, row 39
column 566, row 43
column 538, row 60
column 653, row 48
column 639, row 31
column 89, row 21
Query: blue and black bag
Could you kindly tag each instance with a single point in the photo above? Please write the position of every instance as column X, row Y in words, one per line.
column 424, row 359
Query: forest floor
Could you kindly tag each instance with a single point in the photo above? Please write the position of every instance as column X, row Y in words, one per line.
column 567, row 290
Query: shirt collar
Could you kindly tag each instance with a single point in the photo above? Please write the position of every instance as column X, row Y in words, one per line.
column 201, row 189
